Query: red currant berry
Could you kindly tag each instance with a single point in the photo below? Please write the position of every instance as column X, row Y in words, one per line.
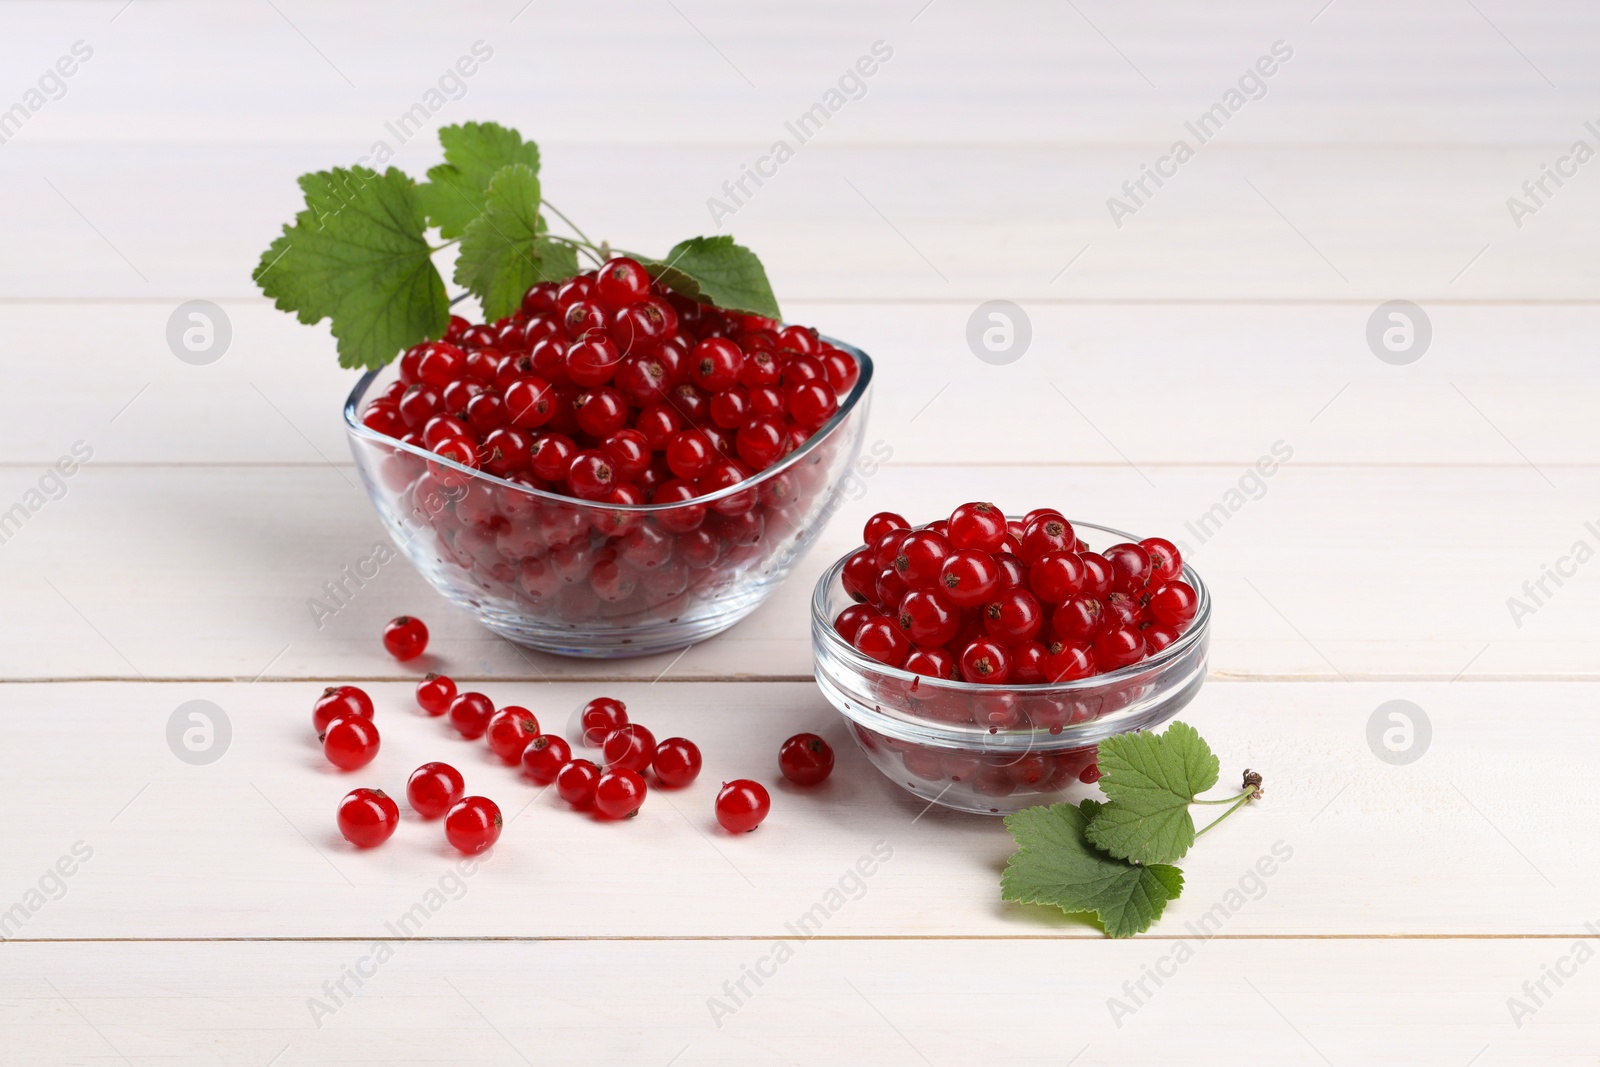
column 920, row 556
column 384, row 418
column 631, row 746
column 761, row 442
column 592, row 475
column 848, row 621
column 742, row 805
column 1130, row 566
column 544, row 757
column 805, row 759
column 1039, row 513
column 643, row 327
column 581, row 317
column 619, row 793
column 860, row 576
column 470, row 714
column 676, row 762
column 891, row 588
column 810, row 404
column 1027, row 662
column 576, row 781
column 985, row 661
column 1166, row 563
column 1121, row 610
column 1096, row 573
column 434, row 788
column 350, row 743
column 441, row 364
column 622, row 282
column 405, row 637
column 1159, row 637
column 552, row 457
column 338, row 701
column 510, row 731
column 368, row 817
column 473, row 825
column 689, row 454
column 1174, row 604
column 969, row 578
column 841, row 369
column 530, row 402
column 601, row 716
column 1015, row 617
column 462, row 450
column 1057, row 576
column 882, row 640
column 760, row 370
column 933, row 663
column 887, row 548
column 1079, row 619
column 435, row 692
column 928, row 618
column 881, row 525
column 714, row 364
column 1118, row 648
column 1068, row 661
column 977, row 527
column 1050, row 534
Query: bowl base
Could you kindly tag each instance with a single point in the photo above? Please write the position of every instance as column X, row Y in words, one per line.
column 592, row 642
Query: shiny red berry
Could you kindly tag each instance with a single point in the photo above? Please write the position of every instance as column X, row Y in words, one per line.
column 473, row 825
column 622, row 282
column 1175, row 604
column 433, row 789
column 338, row 701
column 676, row 762
column 576, row 781
column 510, row 730
column 405, row 637
column 1117, row 648
column 969, row 578
column 631, row 746
column 350, row 743
column 619, row 793
column 742, row 805
column 1166, row 563
column 599, row 717
column 985, row 661
column 544, row 757
column 977, row 527
column 805, row 759
column 470, row 714
column 435, row 692
column 883, row 640
column 368, row 817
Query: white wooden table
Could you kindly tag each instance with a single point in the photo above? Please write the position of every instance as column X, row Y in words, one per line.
column 212, row 909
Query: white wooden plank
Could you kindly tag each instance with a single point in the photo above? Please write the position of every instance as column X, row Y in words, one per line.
column 1334, row 572
column 1188, row 384
column 901, row 1003
column 1369, row 224
column 247, row 846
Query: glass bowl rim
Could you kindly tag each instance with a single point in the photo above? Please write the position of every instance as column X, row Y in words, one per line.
column 823, row 631
column 356, row 428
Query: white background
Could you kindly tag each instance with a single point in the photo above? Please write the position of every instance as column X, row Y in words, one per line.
column 1227, row 315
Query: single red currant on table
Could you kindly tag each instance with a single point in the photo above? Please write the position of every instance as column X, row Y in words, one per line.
column 368, row 817
column 510, row 730
column 676, row 762
column 405, row 637
column 631, row 746
column 805, row 759
column 473, row 825
column 470, row 714
column 576, row 781
column 544, row 757
column 434, row 693
column 742, row 805
column 338, row 701
column 351, row 742
column 619, row 793
column 434, row 788
column 599, row 717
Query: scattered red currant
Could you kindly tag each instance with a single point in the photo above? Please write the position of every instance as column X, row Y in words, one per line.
column 576, row 781
column 631, row 746
column 805, row 759
column 434, row 788
column 544, row 757
column 470, row 714
column 339, row 701
column 368, row 817
column 510, row 730
column 676, row 762
column 350, row 743
column 742, row 805
column 619, row 793
column 473, row 825
column 405, row 637
column 435, row 692
column 599, row 717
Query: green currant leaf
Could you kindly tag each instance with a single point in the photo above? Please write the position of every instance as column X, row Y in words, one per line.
column 1055, row 864
column 1150, row 780
column 474, row 152
column 717, row 271
column 356, row 255
column 503, row 250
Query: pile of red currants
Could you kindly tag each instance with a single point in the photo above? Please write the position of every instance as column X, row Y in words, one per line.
column 982, row 598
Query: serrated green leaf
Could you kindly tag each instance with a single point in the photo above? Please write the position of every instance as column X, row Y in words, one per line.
column 502, row 251
column 356, row 255
column 474, row 152
column 1151, row 779
column 716, row 270
column 1055, row 864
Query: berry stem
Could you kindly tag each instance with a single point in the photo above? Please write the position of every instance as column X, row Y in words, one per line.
column 1238, row 802
column 562, row 215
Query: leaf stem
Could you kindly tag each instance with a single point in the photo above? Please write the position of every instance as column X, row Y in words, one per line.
column 1238, row 802
column 445, row 245
column 582, row 246
column 558, row 213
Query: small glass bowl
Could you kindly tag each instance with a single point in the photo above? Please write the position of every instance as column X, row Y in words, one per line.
column 602, row 580
column 996, row 749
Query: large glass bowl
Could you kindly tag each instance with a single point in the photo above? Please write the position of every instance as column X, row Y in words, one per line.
column 998, row 749
column 582, row 579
